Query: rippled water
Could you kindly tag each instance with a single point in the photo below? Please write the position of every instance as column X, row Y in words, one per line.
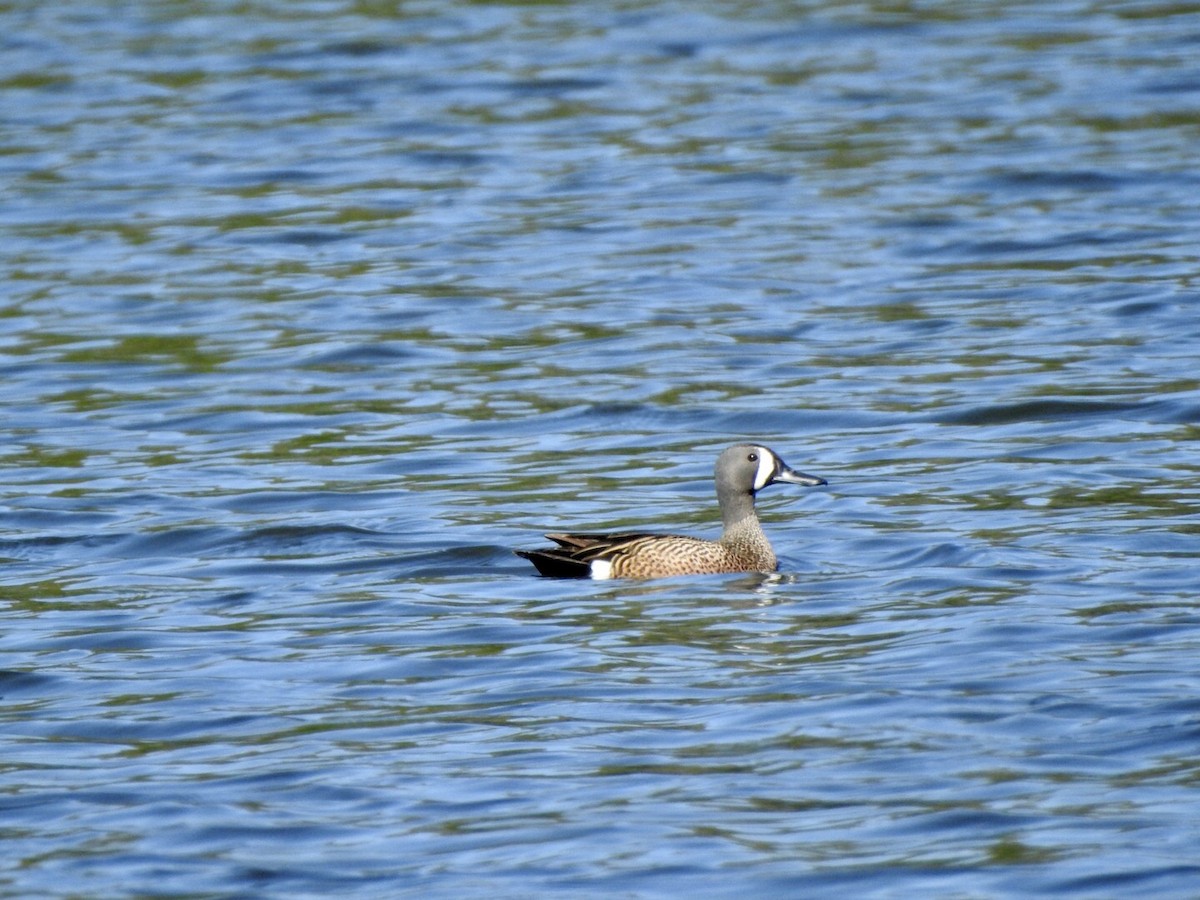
column 313, row 311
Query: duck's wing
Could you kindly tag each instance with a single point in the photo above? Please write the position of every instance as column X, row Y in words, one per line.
column 589, row 540
column 575, row 553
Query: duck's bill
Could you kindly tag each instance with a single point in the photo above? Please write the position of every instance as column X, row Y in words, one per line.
column 791, row 476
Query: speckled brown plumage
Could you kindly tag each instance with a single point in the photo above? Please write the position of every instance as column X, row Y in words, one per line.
column 741, row 471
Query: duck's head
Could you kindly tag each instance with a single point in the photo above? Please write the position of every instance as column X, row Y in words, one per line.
column 748, row 468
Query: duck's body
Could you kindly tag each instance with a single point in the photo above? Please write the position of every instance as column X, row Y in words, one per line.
column 741, row 472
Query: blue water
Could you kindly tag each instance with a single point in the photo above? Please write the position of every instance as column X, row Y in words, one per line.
column 312, row 312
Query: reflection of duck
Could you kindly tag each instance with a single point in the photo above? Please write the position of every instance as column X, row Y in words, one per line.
column 742, row 471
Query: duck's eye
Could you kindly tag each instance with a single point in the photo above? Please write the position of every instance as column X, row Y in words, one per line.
column 753, row 457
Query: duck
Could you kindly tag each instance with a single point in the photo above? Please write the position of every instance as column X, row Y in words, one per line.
column 741, row 472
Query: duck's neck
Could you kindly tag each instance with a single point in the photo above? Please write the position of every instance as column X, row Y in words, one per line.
column 742, row 534
column 737, row 508
column 738, row 518
column 747, row 528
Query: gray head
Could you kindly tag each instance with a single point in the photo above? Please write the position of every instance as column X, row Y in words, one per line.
column 745, row 469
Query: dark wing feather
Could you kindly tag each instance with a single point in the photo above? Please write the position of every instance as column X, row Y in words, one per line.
column 586, row 540
column 557, row 563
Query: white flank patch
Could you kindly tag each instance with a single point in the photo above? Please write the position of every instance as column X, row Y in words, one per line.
column 601, row 569
column 766, row 468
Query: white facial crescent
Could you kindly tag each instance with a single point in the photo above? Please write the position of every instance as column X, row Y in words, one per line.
column 766, row 468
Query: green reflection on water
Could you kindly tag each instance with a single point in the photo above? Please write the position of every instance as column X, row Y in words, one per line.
column 36, row 457
column 1134, row 498
column 35, row 596
column 1009, row 851
column 182, row 349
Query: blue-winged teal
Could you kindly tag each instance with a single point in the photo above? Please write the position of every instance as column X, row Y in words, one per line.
column 742, row 471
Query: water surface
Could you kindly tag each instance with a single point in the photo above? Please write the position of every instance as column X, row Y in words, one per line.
column 313, row 311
